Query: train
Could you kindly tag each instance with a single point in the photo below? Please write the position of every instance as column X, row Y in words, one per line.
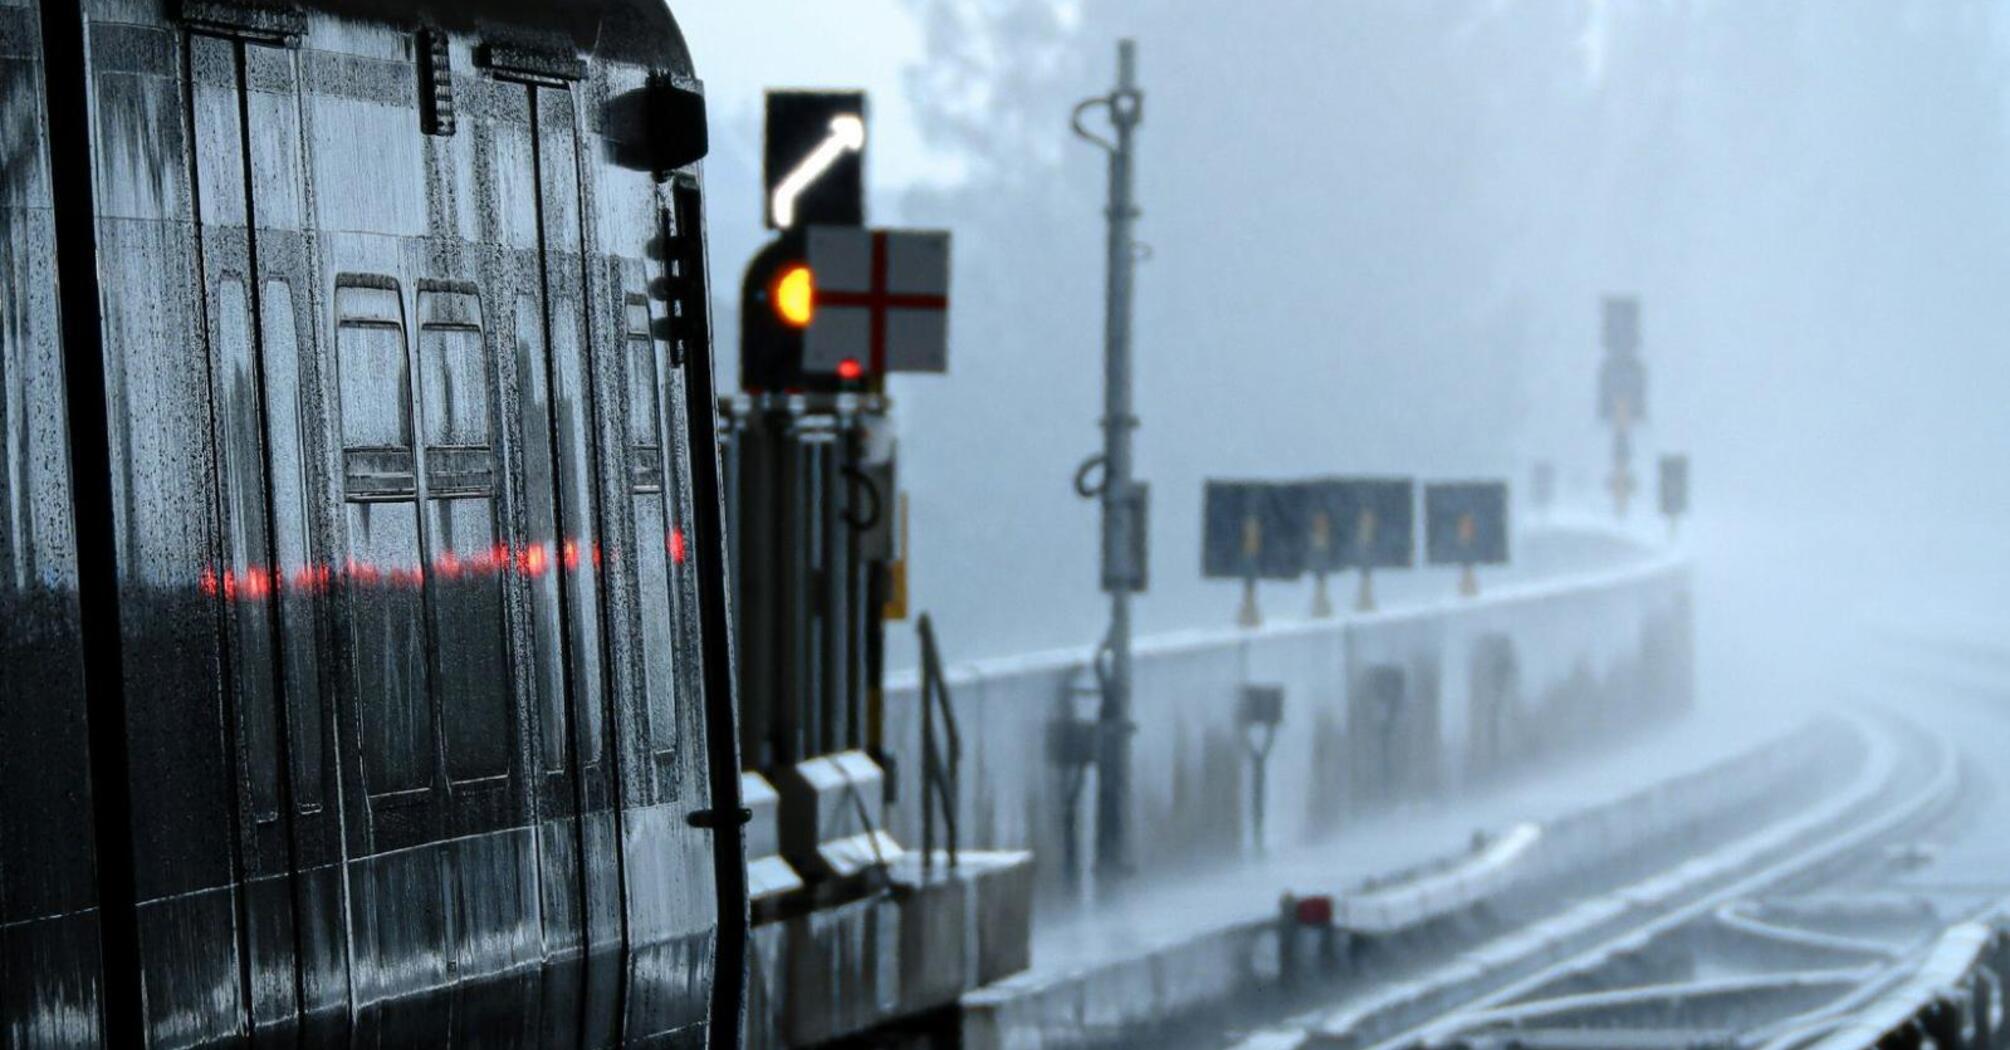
column 365, row 639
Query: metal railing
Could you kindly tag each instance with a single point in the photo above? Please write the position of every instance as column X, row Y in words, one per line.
column 940, row 764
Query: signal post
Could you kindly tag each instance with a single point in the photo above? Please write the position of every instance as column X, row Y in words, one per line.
column 1622, row 391
column 829, row 308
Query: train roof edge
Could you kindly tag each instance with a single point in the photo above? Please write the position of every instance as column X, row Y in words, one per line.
column 638, row 31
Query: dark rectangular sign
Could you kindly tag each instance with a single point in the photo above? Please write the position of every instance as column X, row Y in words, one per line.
column 1622, row 324
column 1465, row 523
column 1674, row 486
column 1231, row 529
column 1360, row 523
column 1252, row 529
column 813, row 159
column 1622, row 376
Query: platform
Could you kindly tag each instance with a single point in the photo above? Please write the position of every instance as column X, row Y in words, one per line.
column 1179, row 939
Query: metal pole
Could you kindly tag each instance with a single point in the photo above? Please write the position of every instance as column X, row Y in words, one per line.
column 1125, row 106
column 1622, row 459
column 1113, row 772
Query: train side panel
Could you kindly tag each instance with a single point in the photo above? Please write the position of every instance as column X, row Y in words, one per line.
column 401, row 474
column 49, row 936
column 185, row 785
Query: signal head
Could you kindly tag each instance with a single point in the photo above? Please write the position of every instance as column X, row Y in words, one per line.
column 794, row 295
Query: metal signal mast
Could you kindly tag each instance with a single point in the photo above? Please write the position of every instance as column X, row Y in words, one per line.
column 1123, row 497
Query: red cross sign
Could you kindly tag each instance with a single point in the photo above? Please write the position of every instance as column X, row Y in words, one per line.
column 881, row 301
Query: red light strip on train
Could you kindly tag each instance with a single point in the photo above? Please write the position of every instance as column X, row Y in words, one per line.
column 257, row 582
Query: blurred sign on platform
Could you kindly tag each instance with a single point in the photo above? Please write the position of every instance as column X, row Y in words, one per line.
column 1253, row 529
column 1466, row 523
column 1360, row 523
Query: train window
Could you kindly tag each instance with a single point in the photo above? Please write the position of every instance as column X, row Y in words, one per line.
column 644, row 419
column 376, row 383
column 454, row 364
column 382, row 574
column 466, row 576
column 292, row 556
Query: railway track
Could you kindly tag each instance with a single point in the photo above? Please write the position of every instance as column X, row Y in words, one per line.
column 1588, row 996
column 1735, row 946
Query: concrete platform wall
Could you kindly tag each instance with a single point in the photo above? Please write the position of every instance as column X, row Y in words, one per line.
column 1379, row 708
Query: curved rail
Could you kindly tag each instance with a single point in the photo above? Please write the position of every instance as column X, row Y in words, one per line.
column 1945, row 995
column 1627, row 920
column 1737, row 916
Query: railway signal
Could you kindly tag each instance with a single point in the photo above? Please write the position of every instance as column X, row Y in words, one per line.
column 831, row 309
column 830, row 305
column 1674, row 488
column 1622, row 390
column 1466, row 524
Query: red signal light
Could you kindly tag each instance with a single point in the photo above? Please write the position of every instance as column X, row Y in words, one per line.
column 1314, row 911
column 849, row 368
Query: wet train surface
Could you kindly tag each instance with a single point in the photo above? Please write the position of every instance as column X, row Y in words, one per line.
column 363, row 638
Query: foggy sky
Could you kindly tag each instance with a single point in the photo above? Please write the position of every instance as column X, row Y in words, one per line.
column 1379, row 231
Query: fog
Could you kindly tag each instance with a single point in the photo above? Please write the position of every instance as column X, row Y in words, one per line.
column 1378, row 234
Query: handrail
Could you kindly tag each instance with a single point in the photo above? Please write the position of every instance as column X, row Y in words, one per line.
column 939, row 774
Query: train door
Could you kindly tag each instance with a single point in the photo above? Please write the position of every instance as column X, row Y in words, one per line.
column 536, row 182
column 400, row 927
column 449, row 568
column 490, row 867
column 271, row 566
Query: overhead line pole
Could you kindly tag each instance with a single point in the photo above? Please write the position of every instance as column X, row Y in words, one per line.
column 1123, row 508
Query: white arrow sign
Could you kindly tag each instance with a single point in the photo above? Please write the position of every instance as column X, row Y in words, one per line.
column 847, row 136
